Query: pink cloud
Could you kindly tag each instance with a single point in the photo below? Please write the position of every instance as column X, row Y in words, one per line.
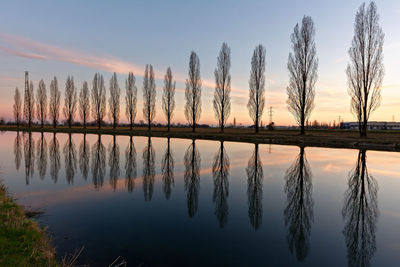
column 28, row 48
column 38, row 50
column 13, row 52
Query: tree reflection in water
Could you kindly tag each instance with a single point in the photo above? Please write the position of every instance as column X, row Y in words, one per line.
column 192, row 162
column 167, row 169
column 17, row 151
column 42, row 156
column 130, row 165
column 220, row 172
column 29, row 156
column 148, row 170
column 113, row 163
column 255, row 178
column 360, row 213
column 98, row 163
column 298, row 213
column 70, row 159
column 54, row 151
column 84, row 157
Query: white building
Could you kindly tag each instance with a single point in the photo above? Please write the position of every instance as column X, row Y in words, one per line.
column 372, row 125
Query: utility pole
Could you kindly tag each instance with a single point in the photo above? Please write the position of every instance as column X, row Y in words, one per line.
column 340, row 120
column 27, row 95
column 270, row 112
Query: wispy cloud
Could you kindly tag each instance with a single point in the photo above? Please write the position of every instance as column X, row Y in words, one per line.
column 13, row 52
column 27, row 48
column 340, row 59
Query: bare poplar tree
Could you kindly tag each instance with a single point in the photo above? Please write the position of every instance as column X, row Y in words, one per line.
column 29, row 101
column 131, row 98
column 84, row 103
column 168, row 100
column 41, row 103
column 149, row 95
column 17, row 107
column 255, row 176
column 257, row 86
column 98, row 99
column 360, row 213
column 193, row 91
column 222, row 98
column 298, row 189
column 302, row 66
column 70, row 101
column 54, row 103
column 113, row 102
column 365, row 71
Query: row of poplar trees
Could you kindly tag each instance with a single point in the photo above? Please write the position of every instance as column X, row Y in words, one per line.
column 365, row 73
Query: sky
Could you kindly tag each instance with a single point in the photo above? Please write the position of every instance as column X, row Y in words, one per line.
column 80, row 38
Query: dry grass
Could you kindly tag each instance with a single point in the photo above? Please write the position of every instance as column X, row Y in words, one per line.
column 22, row 241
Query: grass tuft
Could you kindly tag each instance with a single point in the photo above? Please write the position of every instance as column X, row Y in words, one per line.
column 22, row 241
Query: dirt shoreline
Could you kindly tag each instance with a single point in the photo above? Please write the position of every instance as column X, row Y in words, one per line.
column 377, row 140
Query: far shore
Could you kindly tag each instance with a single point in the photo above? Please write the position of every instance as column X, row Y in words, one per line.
column 382, row 140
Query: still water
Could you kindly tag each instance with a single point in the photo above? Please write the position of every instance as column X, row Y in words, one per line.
column 154, row 201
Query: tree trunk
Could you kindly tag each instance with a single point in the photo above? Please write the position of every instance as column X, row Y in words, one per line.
column 365, row 122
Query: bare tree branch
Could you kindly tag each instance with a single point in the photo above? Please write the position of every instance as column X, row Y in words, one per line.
column 29, row 101
column 257, row 86
column 149, row 95
column 84, row 103
column 192, row 163
column 360, row 213
column 193, row 92
column 220, row 172
column 98, row 99
column 167, row 169
column 255, row 176
column 298, row 213
column 41, row 103
column 17, row 108
column 70, row 101
column 222, row 99
column 302, row 66
column 131, row 99
column 149, row 171
column 113, row 101
column 168, row 100
column 365, row 71
column 54, row 103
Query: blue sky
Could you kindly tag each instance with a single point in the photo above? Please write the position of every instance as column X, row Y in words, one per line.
column 79, row 38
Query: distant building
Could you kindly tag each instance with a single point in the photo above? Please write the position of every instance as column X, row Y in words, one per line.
column 372, row 125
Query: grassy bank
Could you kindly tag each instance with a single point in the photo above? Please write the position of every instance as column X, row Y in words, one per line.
column 22, row 241
column 377, row 140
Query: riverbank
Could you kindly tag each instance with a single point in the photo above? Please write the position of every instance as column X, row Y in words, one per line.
column 377, row 140
column 22, row 241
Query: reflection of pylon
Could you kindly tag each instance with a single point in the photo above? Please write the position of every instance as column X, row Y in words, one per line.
column 270, row 112
column 269, row 149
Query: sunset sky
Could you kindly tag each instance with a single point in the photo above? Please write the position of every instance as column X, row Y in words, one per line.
column 80, row 38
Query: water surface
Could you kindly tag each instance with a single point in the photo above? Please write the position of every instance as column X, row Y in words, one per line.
column 155, row 201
